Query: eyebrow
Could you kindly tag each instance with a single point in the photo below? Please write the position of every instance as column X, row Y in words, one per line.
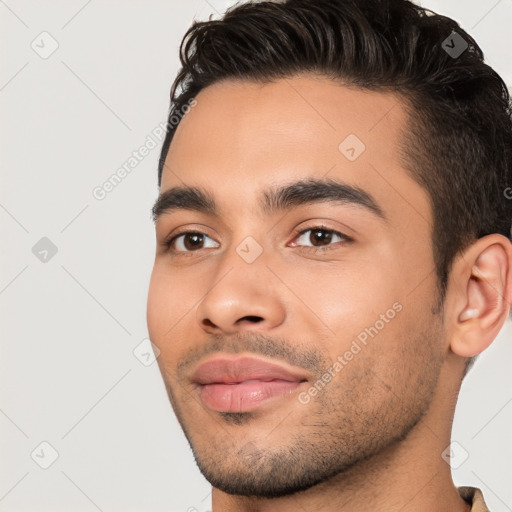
column 273, row 199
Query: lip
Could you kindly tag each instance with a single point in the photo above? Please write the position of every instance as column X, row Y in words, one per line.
column 238, row 384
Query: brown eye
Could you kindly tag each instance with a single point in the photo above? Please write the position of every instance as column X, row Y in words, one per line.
column 193, row 241
column 320, row 237
column 190, row 241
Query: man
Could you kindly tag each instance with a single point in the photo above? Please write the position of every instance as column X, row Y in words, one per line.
column 333, row 250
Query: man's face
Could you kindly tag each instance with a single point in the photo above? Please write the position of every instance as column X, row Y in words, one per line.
column 337, row 294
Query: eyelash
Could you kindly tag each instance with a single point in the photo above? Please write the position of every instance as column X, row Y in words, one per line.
column 169, row 242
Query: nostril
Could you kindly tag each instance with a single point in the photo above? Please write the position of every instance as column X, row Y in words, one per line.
column 252, row 318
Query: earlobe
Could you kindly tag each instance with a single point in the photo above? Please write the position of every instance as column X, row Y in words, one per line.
column 482, row 278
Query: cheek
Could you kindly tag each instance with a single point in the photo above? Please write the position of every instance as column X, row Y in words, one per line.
column 168, row 306
column 156, row 305
column 352, row 298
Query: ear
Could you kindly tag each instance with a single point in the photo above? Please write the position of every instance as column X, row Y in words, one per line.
column 479, row 295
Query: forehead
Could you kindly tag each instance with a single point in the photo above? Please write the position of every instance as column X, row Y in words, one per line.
column 243, row 135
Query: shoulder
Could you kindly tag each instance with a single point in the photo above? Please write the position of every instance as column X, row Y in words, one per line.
column 475, row 497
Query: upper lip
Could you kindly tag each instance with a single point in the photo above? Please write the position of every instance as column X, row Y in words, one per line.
column 225, row 370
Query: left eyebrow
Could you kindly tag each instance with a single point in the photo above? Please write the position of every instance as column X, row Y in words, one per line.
column 273, row 199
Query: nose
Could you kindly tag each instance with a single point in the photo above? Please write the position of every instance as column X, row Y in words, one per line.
column 243, row 296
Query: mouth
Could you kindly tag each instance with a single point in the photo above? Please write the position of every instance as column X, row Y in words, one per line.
column 240, row 384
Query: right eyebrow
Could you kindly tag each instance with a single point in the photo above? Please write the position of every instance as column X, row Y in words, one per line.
column 183, row 198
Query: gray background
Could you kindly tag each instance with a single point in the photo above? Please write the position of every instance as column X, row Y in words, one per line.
column 72, row 320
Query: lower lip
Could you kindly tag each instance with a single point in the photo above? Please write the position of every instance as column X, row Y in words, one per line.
column 244, row 396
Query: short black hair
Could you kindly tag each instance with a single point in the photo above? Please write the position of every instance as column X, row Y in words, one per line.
column 458, row 139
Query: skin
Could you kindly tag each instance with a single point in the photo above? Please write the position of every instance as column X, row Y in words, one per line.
column 372, row 438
